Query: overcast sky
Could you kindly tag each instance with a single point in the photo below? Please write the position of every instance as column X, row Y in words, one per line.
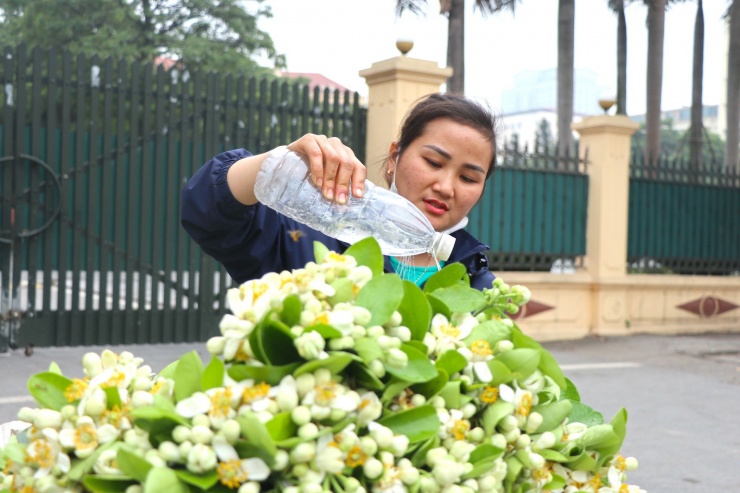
column 338, row 38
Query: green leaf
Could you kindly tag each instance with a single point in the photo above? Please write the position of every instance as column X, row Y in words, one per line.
column 112, row 397
column 54, row 368
column 570, row 391
column 491, row 331
column 513, row 468
column 459, row 298
column 326, row 331
column 106, row 484
column 418, row 369
column 484, row 452
column 203, row 480
column 162, row 479
column 451, row 362
column 451, row 394
column 188, row 375
column 415, row 310
column 157, row 420
column 48, row 389
column 552, row 455
column 418, row 423
column 495, row 413
column 582, row 413
column 556, row 483
column 344, row 291
column 548, row 365
column 419, row 457
column 364, row 377
column 169, row 371
column 521, row 361
column 368, row 349
column 432, row 387
column 619, row 425
column 501, row 373
column 277, row 345
column 292, row 307
column 438, row 307
column 392, row 389
column 213, row 375
column 281, row 427
column 553, row 414
column 133, row 464
column 382, row 295
column 367, row 252
column 271, row 375
column 319, row 251
column 257, row 434
column 450, row 275
column 335, row 363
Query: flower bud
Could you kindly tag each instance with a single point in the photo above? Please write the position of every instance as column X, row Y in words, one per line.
column 231, row 430
column 311, row 488
column 537, row 461
column 498, row 440
column 309, row 431
column 375, row 331
column 399, row 445
column 361, row 315
column 309, row 345
column 27, row 414
column 383, row 436
column 630, row 463
column 436, row 455
column 469, row 410
column 503, row 346
column 300, row 415
column 92, row 364
column 396, row 358
column 305, row 383
column 508, row 423
column 94, row 406
column 141, row 398
column 533, row 422
column 201, row 420
column 47, row 418
column 368, row 446
column 181, row 433
column 169, row 451
column 201, row 434
column 545, row 441
column 201, row 458
column 476, row 435
column 377, row 368
column 215, row 345
column 184, row 449
column 303, row 452
column 249, row 487
column 523, row 441
column 154, row 458
column 512, row 435
column 395, row 319
column 428, row 484
column 281, row 460
column 372, row 468
column 108, row 358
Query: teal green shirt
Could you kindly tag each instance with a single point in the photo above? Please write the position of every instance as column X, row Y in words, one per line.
column 417, row 275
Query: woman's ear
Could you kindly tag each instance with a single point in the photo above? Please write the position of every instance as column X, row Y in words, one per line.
column 393, row 157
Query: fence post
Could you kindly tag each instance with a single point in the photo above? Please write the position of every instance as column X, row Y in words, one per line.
column 393, row 86
column 607, row 140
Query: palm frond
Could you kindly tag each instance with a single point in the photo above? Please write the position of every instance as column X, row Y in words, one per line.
column 494, row 6
column 414, row 6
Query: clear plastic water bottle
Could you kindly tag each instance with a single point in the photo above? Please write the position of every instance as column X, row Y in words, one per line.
column 284, row 184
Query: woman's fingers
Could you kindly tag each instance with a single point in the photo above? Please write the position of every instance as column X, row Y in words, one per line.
column 333, row 166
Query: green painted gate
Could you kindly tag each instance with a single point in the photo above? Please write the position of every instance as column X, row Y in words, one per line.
column 93, row 155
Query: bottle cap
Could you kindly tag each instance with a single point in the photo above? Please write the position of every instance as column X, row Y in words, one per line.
column 442, row 246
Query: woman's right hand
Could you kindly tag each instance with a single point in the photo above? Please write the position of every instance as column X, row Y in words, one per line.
column 334, row 166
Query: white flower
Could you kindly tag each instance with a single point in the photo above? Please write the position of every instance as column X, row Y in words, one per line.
column 329, row 458
column 329, row 395
column 232, row 470
column 44, row 452
column 82, row 438
column 369, row 409
column 447, row 472
column 106, row 463
column 310, row 345
column 198, row 403
column 234, row 326
column 523, row 400
column 448, row 334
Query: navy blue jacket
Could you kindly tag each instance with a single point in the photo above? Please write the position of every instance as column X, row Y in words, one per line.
column 251, row 241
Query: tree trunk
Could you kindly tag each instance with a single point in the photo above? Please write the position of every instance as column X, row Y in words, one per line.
column 621, row 62
column 566, row 35
column 456, row 46
column 733, row 88
column 695, row 142
column 656, row 26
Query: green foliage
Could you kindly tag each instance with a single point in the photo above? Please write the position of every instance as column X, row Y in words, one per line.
column 675, row 144
column 207, row 35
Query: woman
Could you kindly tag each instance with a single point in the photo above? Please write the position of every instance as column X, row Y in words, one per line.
column 440, row 163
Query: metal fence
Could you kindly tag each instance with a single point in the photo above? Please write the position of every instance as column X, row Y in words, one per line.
column 533, row 210
column 93, row 155
column 683, row 219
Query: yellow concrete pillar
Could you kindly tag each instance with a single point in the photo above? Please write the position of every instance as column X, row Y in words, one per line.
column 393, row 86
column 607, row 141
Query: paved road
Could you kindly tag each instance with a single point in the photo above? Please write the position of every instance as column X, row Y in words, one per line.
column 682, row 394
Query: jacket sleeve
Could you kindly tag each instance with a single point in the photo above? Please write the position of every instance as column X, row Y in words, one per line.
column 249, row 241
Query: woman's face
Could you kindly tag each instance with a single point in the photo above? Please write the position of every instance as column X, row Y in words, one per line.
column 443, row 171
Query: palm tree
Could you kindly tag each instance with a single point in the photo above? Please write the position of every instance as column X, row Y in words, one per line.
column 566, row 42
column 618, row 7
column 733, row 87
column 455, row 12
column 695, row 141
column 656, row 26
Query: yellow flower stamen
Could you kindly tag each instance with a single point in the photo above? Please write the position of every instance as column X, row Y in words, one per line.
column 450, row 330
column 42, row 455
column 355, row 457
column 525, row 405
column 157, row 387
column 231, row 474
column 337, row 257
column 325, row 393
column 460, row 428
column 220, row 403
column 565, row 437
column 620, row 463
column 116, row 414
column 481, row 348
column 256, row 392
column 596, row 482
column 86, row 437
column 76, row 389
column 26, row 489
column 489, row 395
column 322, row 318
column 624, row 489
column 115, row 380
column 241, row 353
column 541, row 474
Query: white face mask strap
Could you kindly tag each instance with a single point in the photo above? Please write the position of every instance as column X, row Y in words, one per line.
column 395, row 172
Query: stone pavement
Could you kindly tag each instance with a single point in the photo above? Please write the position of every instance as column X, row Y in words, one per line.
column 682, row 394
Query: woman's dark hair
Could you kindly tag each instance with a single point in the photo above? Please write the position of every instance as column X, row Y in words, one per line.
column 452, row 107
